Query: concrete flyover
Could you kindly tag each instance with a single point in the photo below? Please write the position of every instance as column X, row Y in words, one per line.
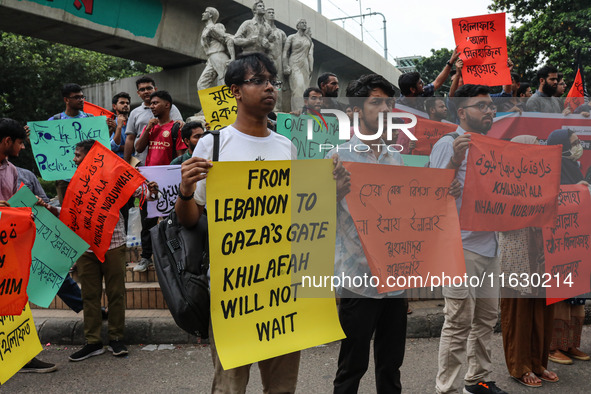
column 166, row 33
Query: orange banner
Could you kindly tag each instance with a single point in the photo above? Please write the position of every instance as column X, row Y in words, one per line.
column 97, row 110
column 405, row 220
column 482, row 44
column 576, row 94
column 102, row 184
column 566, row 245
column 17, row 235
column 509, row 185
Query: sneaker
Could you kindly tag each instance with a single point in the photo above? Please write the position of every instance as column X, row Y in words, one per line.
column 38, row 366
column 89, row 350
column 483, row 388
column 117, row 348
column 143, row 265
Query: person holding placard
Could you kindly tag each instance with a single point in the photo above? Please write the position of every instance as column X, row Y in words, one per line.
column 470, row 312
column 362, row 311
column 252, row 79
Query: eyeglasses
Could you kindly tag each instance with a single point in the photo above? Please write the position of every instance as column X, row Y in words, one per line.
column 146, row 89
column 258, row 82
column 80, row 97
column 482, row 107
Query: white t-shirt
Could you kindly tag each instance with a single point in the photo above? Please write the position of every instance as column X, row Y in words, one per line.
column 237, row 146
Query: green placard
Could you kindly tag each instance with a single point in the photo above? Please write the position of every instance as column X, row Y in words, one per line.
column 325, row 134
column 55, row 250
column 53, row 143
column 415, row 160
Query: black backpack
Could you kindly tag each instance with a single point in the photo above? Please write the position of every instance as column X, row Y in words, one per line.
column 181, row 260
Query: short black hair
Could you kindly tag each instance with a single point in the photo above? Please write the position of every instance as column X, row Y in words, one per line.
column 430, row 103
column 187, row 129
column 257, row 62
column 144, row 79
column 121, row 95
column 324, row 77
column 363, row 86
column 407, row 81
column 467, row 91
column 560, row 76
column 516, row 77
column 310, row 90
column 12, row 129
column 163, row 94
column 70, row 88
column 85, row 145
column 522, row 88
column 544, row 71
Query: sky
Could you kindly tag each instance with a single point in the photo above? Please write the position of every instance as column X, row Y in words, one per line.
column 413, row 26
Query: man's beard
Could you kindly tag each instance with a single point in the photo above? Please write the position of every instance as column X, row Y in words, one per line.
column 334, row 93
column 477, row 125
column 548, row 89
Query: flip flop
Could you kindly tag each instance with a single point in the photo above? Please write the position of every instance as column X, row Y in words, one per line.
column 523, row 382
column 544, row 377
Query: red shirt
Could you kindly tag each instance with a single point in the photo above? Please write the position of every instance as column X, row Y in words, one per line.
column 160, row 151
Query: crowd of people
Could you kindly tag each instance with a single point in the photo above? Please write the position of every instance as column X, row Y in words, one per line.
column 154, row 134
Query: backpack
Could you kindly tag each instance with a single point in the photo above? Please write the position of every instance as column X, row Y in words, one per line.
column 181, row 260
column 453, row 134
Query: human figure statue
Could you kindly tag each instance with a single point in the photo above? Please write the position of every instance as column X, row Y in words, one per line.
column 298, row 61
column 217, row 44
column 254, row 35
column 276, row 51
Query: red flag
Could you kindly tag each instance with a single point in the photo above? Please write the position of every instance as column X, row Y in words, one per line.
column 97, row 110
column 576, row 93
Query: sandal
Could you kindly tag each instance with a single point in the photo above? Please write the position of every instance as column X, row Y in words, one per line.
column 531, row 377
column 546, row 376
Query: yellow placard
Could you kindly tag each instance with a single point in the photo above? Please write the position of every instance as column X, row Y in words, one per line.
column 270, row 222
column 219, row 106
column 19, row 343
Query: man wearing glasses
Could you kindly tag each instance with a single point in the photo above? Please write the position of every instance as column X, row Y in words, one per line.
column 252, row 79
column 470, row 313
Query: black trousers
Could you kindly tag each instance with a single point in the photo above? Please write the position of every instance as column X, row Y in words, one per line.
column 360, row 319
column 147, row 224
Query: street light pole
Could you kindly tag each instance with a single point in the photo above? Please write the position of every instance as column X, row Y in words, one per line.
column 371, row 14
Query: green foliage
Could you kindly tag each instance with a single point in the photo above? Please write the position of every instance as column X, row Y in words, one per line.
column 48, row 187
column 32, row 72
column 548, row 31
column 430, row 67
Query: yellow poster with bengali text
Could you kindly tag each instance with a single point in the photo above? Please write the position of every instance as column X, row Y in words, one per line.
column 219, row 106
column 270, row 224
column 19, row 343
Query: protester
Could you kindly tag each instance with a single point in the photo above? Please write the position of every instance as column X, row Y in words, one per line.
column 541, row 100
column 248, row 139
column 163, row 143
column 312, row 100
column 120, row 104
column 140, row 116
column 30, row 180
column 470, row 313
column 525, row 318
column 363, row 312
column 436, row 108
column 191, row 133
column 12, row 141
column 569, row 315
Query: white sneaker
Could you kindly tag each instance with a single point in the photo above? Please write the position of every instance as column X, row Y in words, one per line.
column 143, row 265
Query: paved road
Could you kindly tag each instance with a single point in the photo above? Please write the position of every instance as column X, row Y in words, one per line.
column 188, row 368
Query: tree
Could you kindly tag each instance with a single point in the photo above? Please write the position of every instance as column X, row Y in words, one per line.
column 548, row 31
column 430, row 67
column 32, row 72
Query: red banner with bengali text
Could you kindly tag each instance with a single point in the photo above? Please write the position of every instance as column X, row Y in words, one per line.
column 102, row 184
column 509, row 186
column 17, row 235
column 566, row 245
column 482, row 44
column 405, row 218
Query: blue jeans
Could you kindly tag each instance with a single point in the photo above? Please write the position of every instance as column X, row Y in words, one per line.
column 70, row 294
